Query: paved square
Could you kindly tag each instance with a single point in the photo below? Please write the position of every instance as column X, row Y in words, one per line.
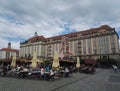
column 101, row 81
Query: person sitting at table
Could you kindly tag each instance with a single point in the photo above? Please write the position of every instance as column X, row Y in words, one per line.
column 8, row 67
column 25, row 69
column 24, row 72
column 43, row 73
column 18, row 68
column 4, row 70
column 47, row 68
column 19, row 72
column 51, row 72
column 66, row 72
column 38, row 68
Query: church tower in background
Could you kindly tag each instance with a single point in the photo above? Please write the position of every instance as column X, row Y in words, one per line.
column 9, row 45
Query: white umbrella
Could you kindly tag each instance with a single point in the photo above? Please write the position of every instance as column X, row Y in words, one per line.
column 56, row 63
column 13, row 63
column 78, row 63
column 34, row 60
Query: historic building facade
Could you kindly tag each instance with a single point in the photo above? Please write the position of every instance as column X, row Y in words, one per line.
column 6, row 53
column 92, row 43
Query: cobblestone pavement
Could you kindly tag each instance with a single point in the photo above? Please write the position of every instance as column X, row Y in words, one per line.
column 103, row 80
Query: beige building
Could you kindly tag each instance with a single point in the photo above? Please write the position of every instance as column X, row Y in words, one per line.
column 91, row 43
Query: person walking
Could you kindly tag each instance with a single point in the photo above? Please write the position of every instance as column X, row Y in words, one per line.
column 115, row 68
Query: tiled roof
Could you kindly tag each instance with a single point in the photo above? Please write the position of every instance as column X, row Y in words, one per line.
column 9, row 50
column 66, row 35
column 75, row 34
column 37, row 38
column 84, row 32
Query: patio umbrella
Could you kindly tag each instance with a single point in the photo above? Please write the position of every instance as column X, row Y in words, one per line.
column 13, row 63
column 56, row 63
column 78, row 63
column 39, row 61
column 34, row 60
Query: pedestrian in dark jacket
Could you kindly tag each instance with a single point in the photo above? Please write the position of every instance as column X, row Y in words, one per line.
column 4, row 70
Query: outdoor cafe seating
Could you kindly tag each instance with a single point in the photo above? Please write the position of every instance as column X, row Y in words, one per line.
column 22, row 73
column 87, row 70
column 34, row 74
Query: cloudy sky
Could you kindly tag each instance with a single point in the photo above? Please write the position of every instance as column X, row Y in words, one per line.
column 19, row 19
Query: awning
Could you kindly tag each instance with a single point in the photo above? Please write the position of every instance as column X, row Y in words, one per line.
column 69, row 61
column 89, row 61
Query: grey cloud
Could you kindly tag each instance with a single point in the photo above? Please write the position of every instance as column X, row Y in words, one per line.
column 47, row 16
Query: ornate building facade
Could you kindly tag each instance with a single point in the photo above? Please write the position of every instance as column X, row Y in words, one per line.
column 92, row 43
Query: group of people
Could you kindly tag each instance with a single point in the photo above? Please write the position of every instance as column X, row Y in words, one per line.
column 42, row 71
column 4, row 69
column 87, row 69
